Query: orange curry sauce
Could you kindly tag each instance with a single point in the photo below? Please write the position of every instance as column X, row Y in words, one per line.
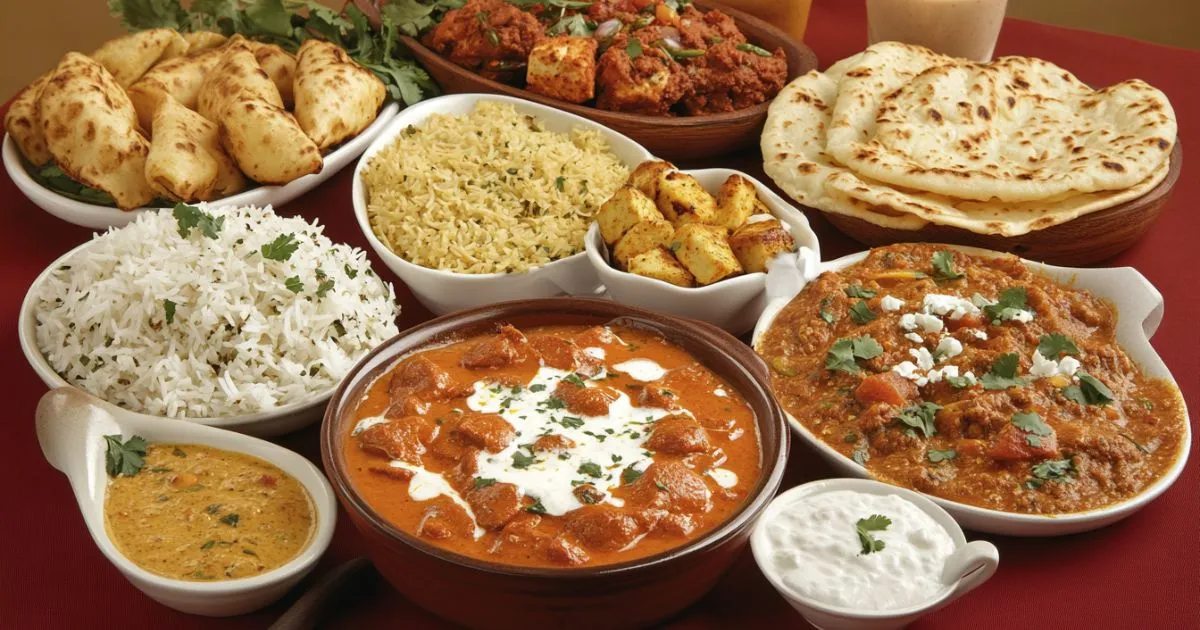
column 557, row 446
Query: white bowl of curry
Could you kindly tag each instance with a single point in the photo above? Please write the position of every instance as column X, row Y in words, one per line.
column 203, row 520
column 1009, row 391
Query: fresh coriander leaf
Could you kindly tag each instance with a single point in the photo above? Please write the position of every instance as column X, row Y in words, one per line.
column 856, row 291
column 281, row 248
column 521, row 460
column 560, row 183
column 230, row 519
column 920, row 417
column 844, row 352
column 1057, row 470
column 124, row 459
column 1031, row 423
column 324, row 287
column 294, row 284
column 864, row 526
column 633, row 48
column 943, row 267
column 536, row 507
column 1003, row 373
column 959, row 382
column 169, row 311
column 571, row 422
column 554, row 402
column 574, row 379
column 537, row 387
column 937, row 456
column 825, row 314
column 350, row 271
column 630, row 475
column 1012, row 300
column 483, row 482
column 268, row 17
column 208, row 544
column 751, row 48
column 1089, row 391
column 861, row 313
column 188, row 217
column 590, row 469
column 1055, row 344
column 144, row 14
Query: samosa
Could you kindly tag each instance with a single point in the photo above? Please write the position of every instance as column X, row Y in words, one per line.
column 91, row 131
column 236, row 75
column 186, row 161
column 335, row 97
column 21, row 122
column 129, row 57
column 203, row 40
column 280, row 66
column 180, row 77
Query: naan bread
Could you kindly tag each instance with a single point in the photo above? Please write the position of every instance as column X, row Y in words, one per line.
column 91, row 130
column 280, row 66
column 186, row 162
column 203, row 40
column 21, row 123
column 180, row 77
column 793, row 143
column 129, row 57
column 335, row 97
column 1016, row 129
column 236, row 75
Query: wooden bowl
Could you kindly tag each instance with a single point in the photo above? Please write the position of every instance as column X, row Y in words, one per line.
column 635, row 594
column 1089, row 239
column 668, row 137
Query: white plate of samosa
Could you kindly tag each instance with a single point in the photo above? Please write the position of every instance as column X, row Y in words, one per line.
column 155, row 118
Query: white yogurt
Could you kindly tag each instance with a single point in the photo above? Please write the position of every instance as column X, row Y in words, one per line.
column 815, row 549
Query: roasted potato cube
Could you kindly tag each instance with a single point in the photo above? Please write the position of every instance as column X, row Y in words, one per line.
column 647, row 175
column 736, row 201
column 563, row 67
column 705, row 252
column 642, row 238
column 659, row 264
column 682, row 200
column 625, row 209
column 755, row 244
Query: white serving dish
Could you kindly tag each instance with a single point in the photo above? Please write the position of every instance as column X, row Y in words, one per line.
column 732, row 304
column 102, row 217
column 70, row 429
column 972, row 563
column 446, row 291
column 277, row 421
column 1140, row 310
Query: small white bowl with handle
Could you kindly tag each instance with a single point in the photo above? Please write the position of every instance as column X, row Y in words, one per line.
column 970, row 565
column 71, row 426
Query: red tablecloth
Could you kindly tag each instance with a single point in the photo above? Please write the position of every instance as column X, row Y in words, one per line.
column 1142, row 572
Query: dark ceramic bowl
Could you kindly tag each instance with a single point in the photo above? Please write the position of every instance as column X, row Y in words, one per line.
column 634, row 594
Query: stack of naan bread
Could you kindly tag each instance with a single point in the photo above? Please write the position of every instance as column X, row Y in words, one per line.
column 189, row 117
column 902, row 137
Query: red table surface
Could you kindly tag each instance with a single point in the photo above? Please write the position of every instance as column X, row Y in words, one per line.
column 1141, row 572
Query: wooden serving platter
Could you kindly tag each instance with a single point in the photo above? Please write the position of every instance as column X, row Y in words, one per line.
column 1089, row 239
column 669, row 137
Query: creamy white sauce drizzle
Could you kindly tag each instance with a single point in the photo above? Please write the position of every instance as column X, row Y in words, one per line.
column 595, row 353
column 720, row 392
column 367, row 423
column 426, row 485
column 724, row 477
column 604, row 445
column 815, row 550
column 641, row 369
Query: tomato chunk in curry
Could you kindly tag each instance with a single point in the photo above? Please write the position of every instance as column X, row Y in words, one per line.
column 557, row 446
column 973, row 379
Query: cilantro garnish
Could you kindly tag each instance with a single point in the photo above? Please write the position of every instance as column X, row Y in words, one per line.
column 856, row 291
column 537, row 387
column 536, row 507
column 864, row 527
column 124, row 459
column 959, row 382
column 844, row 352
column 1057, row 470
column 1032, row 425
column 1055, row 344
column 1012, row 300
column 281, row 248
column 483, row 482
column 920, row 417
column 1089, row 391
column 943, row 267
column 630, row 475
column 591, row 469
column 189, row 217
column 230, row 520
column 861, row 313
column 1003, row 373
column 521, row 460
column 574, row 379
column 324, row 287
column 169, row 311
column 294, row 284
column 560, row 183
column 936, row 456
column 633, row 48
column 824, row 314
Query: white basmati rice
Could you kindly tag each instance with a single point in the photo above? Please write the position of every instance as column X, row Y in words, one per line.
column 240, row 342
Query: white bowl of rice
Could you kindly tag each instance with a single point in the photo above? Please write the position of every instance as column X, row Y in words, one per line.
column 478, row 198
column 231, row 317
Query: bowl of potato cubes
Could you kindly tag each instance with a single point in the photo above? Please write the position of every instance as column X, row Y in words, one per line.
column 694, row 243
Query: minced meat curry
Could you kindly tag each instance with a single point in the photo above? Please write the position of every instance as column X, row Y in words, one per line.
column 973, row 379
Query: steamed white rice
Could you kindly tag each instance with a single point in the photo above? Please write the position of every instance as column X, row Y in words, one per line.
column 240, row 342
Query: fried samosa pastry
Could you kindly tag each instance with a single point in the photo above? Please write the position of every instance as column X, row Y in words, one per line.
column 21, row 122
column 203, row 40
column 91, row 131
column 180, row 77
column 186, row 161
column 236, row 75
column 267, row 143
column 129, row 57
column 335, row 97
column 280, row 66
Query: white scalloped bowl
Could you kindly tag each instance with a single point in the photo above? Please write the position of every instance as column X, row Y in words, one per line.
column 1140, row 309
column 732, row 304
column 447, row 291
column 103, row 217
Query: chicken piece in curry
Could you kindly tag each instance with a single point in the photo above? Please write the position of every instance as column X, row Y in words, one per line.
column 555, row 446
column 640, row 56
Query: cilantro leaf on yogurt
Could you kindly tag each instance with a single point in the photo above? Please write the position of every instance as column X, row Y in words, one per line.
column 873, row 523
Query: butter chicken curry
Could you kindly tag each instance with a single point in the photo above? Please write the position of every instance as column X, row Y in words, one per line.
column 973, row 379
column 556, row 446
